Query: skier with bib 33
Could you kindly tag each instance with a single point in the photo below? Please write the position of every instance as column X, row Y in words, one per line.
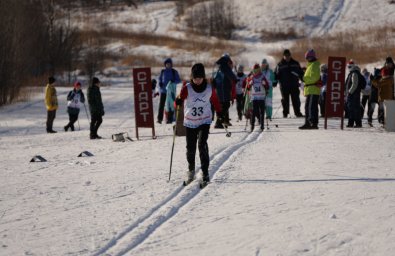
column 198, row 96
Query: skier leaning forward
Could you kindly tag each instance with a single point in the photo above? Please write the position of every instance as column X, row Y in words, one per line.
column 198, row 96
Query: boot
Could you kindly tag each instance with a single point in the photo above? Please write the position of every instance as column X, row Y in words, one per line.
column 190, row 176
column 206, row 178
column 314, row 126
column 306, row 126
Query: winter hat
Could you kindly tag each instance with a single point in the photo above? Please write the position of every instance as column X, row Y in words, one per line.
column 240, row 68
column 264, row 61
column 51, row 80
column 168, row 60
column 95, row 80
column 323, row 67
column 198, row 71
column 351, row 63
column 76, row 84
column 310, row 54
column 256, row 68
column 389, row 60
column 287, row 52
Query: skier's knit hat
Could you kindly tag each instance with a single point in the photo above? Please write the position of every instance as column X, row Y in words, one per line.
column 198, row 71
column 310, row 54
column 264, row 61
column 389, row 60
column 76, row 84
column 287, row 52
column 95, row 80
column 51, row 80
column 256, row 68
column 240, row 68
column 350, row 63
column 168, row 60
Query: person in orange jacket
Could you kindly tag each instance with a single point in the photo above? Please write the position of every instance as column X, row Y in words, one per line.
column 51, row 102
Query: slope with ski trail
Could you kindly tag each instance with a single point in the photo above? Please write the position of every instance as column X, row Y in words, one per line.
column 141, row 230
column 302, row 198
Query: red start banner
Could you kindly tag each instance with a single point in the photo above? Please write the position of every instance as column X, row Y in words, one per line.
column 144, row 113
column 334, row 102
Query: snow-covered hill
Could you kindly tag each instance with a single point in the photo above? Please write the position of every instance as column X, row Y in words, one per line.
column 314, row 18
column 254, row 18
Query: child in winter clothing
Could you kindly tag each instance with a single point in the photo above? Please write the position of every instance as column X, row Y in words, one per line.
column 258, row 86
column 51, row 102
column 385, row 86
column 240, row 85
column 324, row 79
column 171, row 89
column 312, row 90
column 96, row 107
column 353, row 83
column 366, row 92
column 198, row 96
column 269, row 75
column 224, row 82
column 168, row 74
column 74, row 100
column 374, row 98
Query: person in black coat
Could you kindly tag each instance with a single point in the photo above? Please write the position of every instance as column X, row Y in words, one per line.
column 288, row 73
column 353, row 85
column 224, row 81
column 95, row 107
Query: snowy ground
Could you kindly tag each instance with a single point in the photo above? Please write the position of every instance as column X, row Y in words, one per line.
column 282, row 192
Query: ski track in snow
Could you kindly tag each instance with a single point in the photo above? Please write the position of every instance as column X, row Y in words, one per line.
column 332, row 12
column 145, row 226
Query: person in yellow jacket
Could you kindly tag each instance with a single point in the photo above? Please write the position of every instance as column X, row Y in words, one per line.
column 51, row 102
column 312, row 84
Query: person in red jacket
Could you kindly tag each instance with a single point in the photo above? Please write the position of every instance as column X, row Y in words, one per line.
column 198, row 96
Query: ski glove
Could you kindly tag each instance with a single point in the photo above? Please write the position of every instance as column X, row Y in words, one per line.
column 179, row 101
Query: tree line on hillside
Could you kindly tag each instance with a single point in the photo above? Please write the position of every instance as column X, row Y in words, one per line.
column 37, row 40
column 32, row 43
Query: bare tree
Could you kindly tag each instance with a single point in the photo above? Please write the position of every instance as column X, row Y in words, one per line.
column 213, row 18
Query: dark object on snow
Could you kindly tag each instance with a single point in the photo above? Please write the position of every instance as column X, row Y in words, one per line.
column 85, row 153
column 38, row 159
column 120, row 137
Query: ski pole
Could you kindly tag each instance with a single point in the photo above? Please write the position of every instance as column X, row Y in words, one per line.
column 86, row 111
column 245, row 127
column 228, row 133
column 174, row 139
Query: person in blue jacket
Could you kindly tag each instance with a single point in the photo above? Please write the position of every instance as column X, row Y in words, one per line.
column 168, row 74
